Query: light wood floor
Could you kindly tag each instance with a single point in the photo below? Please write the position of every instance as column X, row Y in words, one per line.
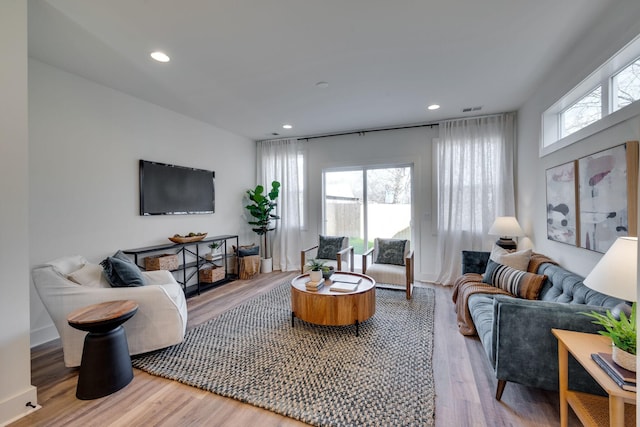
column 464, row 382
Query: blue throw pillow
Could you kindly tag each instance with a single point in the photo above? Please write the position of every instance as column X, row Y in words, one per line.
column 121, row 272
column 248, row 251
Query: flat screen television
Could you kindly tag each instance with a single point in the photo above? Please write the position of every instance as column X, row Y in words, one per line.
column 175, row 190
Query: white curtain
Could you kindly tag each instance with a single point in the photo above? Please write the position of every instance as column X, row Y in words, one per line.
column 474, row 167
column 283, row 161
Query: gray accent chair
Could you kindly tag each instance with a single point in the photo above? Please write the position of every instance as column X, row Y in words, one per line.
column 516, row 333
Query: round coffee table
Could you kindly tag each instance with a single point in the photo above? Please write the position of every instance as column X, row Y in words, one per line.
column 326, row 307
column 106, row 365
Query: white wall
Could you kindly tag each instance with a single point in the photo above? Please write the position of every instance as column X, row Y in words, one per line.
column 15, row 358
column 85, row 143
column 380, row 148
column 611, row 33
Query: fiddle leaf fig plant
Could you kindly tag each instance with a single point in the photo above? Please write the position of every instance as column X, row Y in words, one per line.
column 621, row 331
column 261, row 210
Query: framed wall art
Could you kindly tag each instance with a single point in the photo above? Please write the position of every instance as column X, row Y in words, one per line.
column 562, row 213
column 608, row 195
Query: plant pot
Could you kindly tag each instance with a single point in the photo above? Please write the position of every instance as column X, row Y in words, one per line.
column 327, row 272
column 624, row 359
column 266, row 265
column 315, row 275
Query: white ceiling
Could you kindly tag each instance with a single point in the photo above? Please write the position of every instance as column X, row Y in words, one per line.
column 250, row 66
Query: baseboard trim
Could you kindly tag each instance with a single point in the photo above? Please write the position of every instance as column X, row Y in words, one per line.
column 43, row 335
column 16, row 407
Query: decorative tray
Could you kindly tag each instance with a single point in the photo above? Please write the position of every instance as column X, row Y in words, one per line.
column 188, row 239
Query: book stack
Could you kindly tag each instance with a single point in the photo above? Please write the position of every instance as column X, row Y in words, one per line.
column 314, row 286
column 623, row 377
column 344, row 283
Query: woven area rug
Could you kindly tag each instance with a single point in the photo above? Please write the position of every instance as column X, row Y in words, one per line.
column 323, row 376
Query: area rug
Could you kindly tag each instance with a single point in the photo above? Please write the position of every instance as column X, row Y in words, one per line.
column 320, row 375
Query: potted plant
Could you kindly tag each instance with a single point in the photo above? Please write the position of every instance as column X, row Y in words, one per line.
column 316, row 266
column 622, row 332
column 214, row 248
column 261, row 209
column 327, row 271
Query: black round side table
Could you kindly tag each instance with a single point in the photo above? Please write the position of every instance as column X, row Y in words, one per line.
column 106, row 365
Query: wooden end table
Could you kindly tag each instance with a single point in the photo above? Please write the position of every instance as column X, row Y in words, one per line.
column 324, row 307
column 592, row 410
column 106, row 365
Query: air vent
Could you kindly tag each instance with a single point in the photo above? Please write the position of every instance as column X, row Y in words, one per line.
column 275, row 134
column 469, row 109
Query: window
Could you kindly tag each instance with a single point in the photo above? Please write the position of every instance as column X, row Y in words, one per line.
column 608, row 96
column 585, row 111
column 626, row 86
column 368, row 202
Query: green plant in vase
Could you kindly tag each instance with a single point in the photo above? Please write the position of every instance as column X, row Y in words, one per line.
column 214, row 248
column 261, row 209
column 622, row 332
column 316, row 267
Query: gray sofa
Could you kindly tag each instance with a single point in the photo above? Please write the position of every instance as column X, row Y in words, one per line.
column 516, row 333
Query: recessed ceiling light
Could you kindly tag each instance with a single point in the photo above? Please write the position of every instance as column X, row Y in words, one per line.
column 433, row 107
column 287, row 127
column 322, row 84
column 160, row 56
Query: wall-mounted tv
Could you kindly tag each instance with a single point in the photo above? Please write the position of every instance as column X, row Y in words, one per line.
column 175, row 190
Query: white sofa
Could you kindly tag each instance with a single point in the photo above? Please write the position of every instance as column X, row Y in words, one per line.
column 69, row 283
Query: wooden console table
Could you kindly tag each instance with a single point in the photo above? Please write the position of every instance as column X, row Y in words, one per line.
column 192, row 261
column 616, row 410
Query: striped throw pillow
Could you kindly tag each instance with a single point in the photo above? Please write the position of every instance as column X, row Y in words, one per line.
column 517, row 282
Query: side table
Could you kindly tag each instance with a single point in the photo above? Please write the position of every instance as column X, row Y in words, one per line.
column 592, row 410
column 106, row 365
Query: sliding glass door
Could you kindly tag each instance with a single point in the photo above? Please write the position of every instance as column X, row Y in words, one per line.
column 368, row 202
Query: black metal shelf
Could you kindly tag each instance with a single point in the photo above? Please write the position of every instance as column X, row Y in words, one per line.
column 192, row 261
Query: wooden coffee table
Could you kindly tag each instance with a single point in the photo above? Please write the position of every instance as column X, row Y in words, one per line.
column 325, row 307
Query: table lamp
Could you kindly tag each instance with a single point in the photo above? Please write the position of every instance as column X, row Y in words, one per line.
column 616, row 273
column 506, row 227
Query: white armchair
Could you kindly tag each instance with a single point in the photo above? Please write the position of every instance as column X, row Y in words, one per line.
column 391, row 263
column 333, row 251
column 69, row 283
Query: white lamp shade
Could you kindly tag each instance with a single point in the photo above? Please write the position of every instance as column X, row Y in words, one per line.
column 617, row 271
column 506, row 226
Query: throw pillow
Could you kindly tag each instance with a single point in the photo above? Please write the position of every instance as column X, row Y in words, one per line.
column 120, row 271
column 519, row 283
column 89, row 276
column 391, row 251
column 518, row 260
column 248, row 250
column 329, row 246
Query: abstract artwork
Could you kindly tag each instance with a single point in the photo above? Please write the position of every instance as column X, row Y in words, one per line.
column 608, row 196
column 561, row 203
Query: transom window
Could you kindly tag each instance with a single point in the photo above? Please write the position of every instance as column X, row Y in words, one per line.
column 608, row 96
column 626, row 86
column 585, row 111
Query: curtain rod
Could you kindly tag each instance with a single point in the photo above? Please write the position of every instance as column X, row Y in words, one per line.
column 362, row 132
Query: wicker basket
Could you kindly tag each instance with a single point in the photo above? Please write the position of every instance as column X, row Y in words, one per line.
column 211, row 275
column 161, row 262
